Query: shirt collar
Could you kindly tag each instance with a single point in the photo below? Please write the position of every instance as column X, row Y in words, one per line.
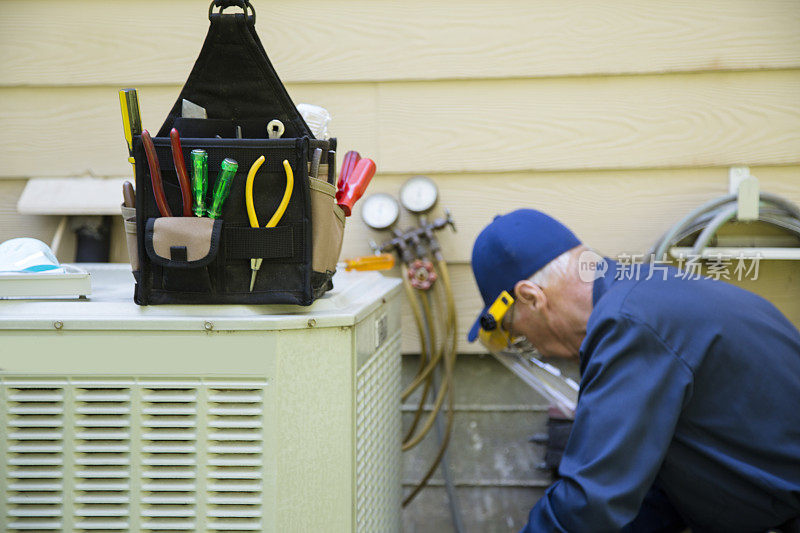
column 604, row 282
column 599, row 288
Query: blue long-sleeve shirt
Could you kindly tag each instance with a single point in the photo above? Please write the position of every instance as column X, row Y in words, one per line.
column 693, row 385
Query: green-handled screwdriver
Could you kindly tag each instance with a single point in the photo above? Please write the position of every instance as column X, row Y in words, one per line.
column 222, row 187
column 199, row 181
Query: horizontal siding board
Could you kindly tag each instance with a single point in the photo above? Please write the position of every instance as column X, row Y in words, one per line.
column 613, row 211
column 52, row 42
column 477, row 126
column 70, row 131
column 589, row 202
column 616, row 122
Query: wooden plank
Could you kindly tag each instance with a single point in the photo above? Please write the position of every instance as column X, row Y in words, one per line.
column 13, row 225
column 71, row 196
column 612, row 211
column 52, row 42
column 70, row 131
column 572, row 123
column 626, row 122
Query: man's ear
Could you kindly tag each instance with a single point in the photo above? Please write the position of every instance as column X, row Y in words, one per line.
column 529, row 293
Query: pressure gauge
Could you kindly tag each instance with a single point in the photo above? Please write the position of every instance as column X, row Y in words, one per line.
column 379, row 211
column 419, row 194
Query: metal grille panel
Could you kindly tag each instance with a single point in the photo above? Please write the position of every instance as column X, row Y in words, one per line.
column 131, row 454
column 378, row 440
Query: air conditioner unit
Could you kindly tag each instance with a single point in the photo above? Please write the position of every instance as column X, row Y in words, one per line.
column 116, row 417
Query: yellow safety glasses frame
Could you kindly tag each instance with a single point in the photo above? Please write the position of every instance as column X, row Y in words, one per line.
column 492, row 334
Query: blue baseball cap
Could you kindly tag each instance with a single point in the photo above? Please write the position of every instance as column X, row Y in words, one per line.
column 512, row 248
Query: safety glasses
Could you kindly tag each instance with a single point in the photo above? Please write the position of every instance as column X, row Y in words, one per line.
column 494, row 333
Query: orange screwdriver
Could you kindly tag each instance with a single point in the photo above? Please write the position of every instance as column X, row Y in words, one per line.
column 370, row 262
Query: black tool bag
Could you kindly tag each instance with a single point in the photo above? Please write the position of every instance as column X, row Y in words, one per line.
column 193, row 260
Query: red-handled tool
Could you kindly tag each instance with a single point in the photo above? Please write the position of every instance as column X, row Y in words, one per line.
column 155, row 175
column 180, row 169
column 356, row 184
column 349, row 163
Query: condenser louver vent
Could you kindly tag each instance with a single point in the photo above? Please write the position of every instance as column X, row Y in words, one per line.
column 34, row 455
column 377, row 458
column 169, row 457
column 119, row 455
column 236, row 461
column 101, row 447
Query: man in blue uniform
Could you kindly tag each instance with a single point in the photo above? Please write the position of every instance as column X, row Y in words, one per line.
column 689, row 405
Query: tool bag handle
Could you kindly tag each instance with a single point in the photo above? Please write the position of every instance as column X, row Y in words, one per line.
column 234, row 79
column 222, row 4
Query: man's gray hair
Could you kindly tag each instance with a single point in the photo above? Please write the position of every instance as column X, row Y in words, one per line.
column 556, row 269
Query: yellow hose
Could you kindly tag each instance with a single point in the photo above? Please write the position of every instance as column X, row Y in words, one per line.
column 452, row 333
column 445, row 386
column 427, row 349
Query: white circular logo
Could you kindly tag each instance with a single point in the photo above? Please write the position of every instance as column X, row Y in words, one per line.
column 591, row 266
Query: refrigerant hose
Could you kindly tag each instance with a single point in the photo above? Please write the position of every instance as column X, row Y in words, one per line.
column 426, row 354
column 450, row 346
column 445, row 385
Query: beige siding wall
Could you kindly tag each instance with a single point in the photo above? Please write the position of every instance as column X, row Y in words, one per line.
column 617, row 117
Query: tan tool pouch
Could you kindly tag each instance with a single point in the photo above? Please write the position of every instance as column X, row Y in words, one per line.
column 327, row 229
column 183, row 248
column 129, row 221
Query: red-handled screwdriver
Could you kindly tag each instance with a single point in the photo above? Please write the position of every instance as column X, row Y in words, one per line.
column 155, row 175
column 349, row 163
column 356, row 184
column 180, row 169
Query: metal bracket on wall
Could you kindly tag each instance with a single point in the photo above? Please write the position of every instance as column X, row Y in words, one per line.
column 745, row 186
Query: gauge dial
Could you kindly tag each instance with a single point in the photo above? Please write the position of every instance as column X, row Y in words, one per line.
column 419, row 194
column 379, row 211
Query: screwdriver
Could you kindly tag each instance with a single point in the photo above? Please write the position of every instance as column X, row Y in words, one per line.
column 370, row 262
column 332, row 166
column 349, row 163
column 316, row 159
column 131, row 121
column 180, row 170
column 356, row 184
column 222, row 187
column 128, row 194
column 155, row 175
column 199, row 180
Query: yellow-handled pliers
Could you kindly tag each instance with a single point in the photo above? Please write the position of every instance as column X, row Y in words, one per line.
column 255, row 262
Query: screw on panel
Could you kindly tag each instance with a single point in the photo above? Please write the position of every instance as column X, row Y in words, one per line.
column 208, row 326
column 58, row 324
column 312, row 322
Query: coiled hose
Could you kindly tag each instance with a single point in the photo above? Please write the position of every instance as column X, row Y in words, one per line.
column 709, row 217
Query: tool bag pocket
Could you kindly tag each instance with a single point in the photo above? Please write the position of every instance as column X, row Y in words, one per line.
column 285, row 272
column 327, row 231
column 181, row 250
column 129, row 223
